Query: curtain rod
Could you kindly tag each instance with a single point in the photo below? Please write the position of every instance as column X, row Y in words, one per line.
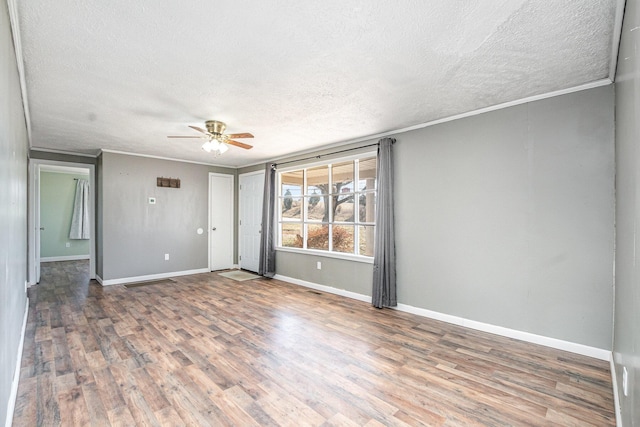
column 274, row 165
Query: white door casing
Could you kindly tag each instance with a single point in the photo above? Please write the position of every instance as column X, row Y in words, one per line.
column 250, row 226
column 38, row 227
column 220, row 221
column 34, row 214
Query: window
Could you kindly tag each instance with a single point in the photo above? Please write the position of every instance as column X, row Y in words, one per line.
column 329, row 207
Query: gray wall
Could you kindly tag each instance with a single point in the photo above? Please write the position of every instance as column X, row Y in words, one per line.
column 134, row 235
column 504, row 218
column 338, row 273
column 507, row 217
column 13, row 211
column 626, row 347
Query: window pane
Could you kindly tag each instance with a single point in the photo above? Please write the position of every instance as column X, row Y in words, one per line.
column 367, row 207
column 342, row 177
column 343, row 207
column 343, row 238
column 366, row 235
column 291, row 235
column 318, row 180
column 317, row 208
column 291, row 207
column 291, row 183
column 318, row 236
column 367, row 174
column 316, row 215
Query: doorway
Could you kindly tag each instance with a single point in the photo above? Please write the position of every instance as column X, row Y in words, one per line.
column 35, row 230
column 221, row 209
column 250, row 221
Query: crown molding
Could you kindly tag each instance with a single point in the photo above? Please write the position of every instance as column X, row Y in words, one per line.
column 616, row 39
column 369, row 138
column 17, row 45
column 165, row 158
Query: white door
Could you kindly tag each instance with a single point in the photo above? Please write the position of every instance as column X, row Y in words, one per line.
column 251, row 194
column 220, row 221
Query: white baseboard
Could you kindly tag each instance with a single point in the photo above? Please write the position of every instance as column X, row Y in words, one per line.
column 584, row 350
column 324, row 288
column 616, row 395
column 11, row 405
column 124, row 280
column 63, row 258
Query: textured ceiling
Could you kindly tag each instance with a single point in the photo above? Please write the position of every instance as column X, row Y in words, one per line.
column 122, row 75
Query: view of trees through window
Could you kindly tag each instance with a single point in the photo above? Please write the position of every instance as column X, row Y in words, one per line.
column 329, row 207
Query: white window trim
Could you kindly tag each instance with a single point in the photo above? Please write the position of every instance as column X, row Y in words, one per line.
column 317, row 252
column 327, row 254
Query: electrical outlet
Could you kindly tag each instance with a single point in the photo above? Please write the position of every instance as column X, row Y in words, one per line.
column 319, row 265
column 166, row 257
column 625, row 381
column 68, row 244
column 152, row 200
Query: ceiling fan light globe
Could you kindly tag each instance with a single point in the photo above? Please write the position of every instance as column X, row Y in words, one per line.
column 222, row 148
column 207, row 147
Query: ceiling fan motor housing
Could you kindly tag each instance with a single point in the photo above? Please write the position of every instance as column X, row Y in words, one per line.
column 215, row 127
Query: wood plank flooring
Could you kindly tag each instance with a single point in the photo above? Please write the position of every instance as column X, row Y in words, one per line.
column 207, row 350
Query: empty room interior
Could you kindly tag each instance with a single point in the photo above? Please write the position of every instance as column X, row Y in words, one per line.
column 332, row 213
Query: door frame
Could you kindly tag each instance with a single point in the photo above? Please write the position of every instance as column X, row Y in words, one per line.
column 232, row 221
column 33, row 229
column 259, row 172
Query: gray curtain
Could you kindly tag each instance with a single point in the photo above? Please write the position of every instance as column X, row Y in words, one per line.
column 384, row 253
column 267, row 266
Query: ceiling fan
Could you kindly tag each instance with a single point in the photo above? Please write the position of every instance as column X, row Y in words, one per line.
column 217, row 140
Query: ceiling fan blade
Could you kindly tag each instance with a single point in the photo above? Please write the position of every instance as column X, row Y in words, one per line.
column 176, row 136
column 199, row 129
column 239, row 144
column 240, row 135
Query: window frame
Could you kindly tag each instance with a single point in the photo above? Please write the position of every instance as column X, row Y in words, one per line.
column 305, row 222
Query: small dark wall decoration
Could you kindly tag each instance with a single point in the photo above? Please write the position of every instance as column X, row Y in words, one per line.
column 168, row 182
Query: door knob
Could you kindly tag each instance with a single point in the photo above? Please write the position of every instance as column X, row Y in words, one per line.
column 214, row 229
column 41, row 228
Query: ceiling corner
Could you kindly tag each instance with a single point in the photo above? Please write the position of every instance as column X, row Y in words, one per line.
column 615, row 39
column 17, row 45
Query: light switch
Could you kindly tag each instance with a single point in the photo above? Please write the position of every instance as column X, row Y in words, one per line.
column 152, row 200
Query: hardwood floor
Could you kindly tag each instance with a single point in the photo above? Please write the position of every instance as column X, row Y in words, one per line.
column 207, row 350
